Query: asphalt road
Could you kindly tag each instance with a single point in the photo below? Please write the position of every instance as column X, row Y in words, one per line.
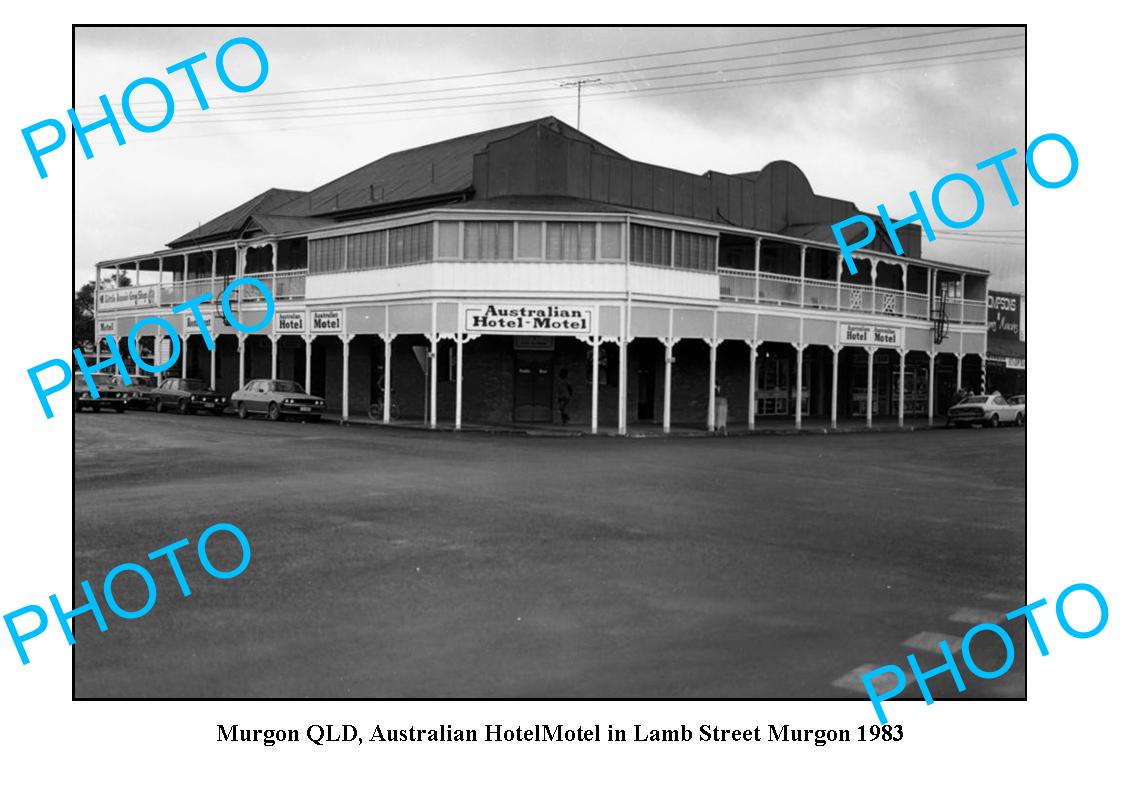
column 394, row 563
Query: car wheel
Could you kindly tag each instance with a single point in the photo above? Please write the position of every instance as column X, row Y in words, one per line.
column 994, row 421
column 242, row 412
column 158, row 407
column 119, row 409
column 1019, row 421
column 274, row 412
column 95, row 408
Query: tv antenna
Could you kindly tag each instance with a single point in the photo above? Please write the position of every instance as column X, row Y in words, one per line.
column 579, row 84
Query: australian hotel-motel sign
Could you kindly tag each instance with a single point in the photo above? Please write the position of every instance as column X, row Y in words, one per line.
column 523, row 319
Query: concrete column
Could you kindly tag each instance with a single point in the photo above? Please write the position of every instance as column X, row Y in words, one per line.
column 460, row 379
column 387, row 356
column 622, row 409
column 346, row 338
column 596, row 384
column 433, row 381
column 756, row 271
column 710, row 409
column 931, row 386
column 802, row 273
column 958, row 372
column 752, row 384
column 869, row 386
column 214, row 271
column 160, row 281
column 838, row 283
column 901, row 355
column 834, row 386
column 873, row 285
column 308, row 362
column 183, row 354
column 669, row 347
column 798, row 386
column 273, row 340
column 214, row 357
column 136, row 273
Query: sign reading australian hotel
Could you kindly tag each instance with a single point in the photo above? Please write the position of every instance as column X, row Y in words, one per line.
column 869, row 334
column 529, row 319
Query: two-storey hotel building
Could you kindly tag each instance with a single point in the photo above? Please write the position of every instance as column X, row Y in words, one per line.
column 476, row 280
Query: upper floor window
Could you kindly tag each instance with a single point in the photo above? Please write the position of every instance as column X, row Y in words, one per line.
column 654, row 246
column 694, row 251
column 412, row 244
column 489, row 240
column 571, row 241
column 396, row 246
column 651, row 245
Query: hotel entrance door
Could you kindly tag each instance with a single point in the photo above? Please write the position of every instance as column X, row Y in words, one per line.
column 534, row 387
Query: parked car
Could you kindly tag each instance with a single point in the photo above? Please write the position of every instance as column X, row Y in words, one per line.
column 992, row 410
column 112, row 393
column 276, row 400
column 188, row 396
column 140, row 392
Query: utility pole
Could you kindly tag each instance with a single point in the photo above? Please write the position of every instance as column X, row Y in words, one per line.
column 579, row 84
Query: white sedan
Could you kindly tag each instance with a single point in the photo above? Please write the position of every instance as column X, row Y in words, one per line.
column 993, row 410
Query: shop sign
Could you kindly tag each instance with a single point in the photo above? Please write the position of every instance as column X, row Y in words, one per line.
column 191, row 323
column 526, row 342
column 127, row 297
column 1004, row 313
column 107, row 327
column 1010, row 363
column 289, row 322
column 533, row 319
column 869, row 334
column 327, row 320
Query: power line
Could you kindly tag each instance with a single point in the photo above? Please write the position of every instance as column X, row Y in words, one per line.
column 600, row 95
column 253, row 110
column 244, row 103
column 518, row 70
column 428, row 113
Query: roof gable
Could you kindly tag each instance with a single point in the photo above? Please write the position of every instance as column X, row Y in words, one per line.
column 423, row 173
column 230, row 223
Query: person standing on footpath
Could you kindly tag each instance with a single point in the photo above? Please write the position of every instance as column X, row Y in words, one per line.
column 563, row 393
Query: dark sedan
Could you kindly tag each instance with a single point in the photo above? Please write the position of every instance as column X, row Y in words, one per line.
column 188, row 396
column 112, row 393
column 140, row 392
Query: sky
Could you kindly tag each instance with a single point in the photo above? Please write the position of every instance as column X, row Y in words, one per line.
column 905, row 107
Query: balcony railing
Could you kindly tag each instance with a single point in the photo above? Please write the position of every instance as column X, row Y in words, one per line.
column 282, row 284
column 791, row 291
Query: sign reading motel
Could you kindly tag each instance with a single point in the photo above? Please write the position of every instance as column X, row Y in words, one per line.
column 869, row 334
column 327, row 321
column 537, row 319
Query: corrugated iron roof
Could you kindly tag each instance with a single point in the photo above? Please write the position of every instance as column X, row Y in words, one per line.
column 439, row 169
column 231, row 222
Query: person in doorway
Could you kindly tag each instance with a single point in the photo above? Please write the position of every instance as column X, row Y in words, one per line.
column 563, row 393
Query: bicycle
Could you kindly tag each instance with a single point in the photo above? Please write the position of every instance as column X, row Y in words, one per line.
column 375, row 411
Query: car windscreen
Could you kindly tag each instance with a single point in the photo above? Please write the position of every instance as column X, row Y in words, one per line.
column 104, row 379
column 192, row 384
column 978, row 399
column 287, row 386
